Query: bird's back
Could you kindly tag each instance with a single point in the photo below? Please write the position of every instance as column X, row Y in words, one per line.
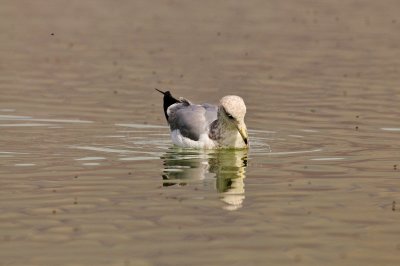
column 191, row 120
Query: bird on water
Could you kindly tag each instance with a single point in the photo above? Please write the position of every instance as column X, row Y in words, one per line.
column 206, row 126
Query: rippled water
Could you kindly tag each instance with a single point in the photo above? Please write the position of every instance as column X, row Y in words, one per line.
column 88, row 175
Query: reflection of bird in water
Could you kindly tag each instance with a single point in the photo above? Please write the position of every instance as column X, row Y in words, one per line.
column 223, row 168
column 206, row 126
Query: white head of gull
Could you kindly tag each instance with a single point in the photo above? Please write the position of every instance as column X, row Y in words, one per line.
column 206, row 126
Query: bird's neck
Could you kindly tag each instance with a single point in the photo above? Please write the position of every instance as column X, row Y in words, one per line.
column 225, row 133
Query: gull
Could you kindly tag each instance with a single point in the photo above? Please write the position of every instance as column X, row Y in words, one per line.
column 206, row 126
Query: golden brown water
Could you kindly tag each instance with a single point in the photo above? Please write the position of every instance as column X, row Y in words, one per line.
column 88, row 175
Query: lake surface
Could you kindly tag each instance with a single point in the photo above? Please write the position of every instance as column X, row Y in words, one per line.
column 88, row 175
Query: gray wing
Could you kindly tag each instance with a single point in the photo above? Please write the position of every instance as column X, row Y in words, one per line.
column 192, row 120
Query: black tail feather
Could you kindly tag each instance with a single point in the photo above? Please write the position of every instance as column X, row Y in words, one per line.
column 168, row 101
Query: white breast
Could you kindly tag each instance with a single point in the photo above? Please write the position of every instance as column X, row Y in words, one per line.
column 204, row 141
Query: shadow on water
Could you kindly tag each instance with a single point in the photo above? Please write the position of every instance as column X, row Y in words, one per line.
column 223, row 170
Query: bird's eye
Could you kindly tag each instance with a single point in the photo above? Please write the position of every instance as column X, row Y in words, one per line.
column 229, row 116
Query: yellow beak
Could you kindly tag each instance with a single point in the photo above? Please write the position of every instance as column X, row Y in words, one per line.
column 243, row 132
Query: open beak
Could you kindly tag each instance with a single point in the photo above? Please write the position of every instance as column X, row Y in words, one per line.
column 243, row 132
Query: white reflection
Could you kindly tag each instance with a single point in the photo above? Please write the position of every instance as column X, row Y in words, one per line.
column 29, row 118
column 25, row 125
column 390, row 128
column 90, row 159
column 222, row 169
column 140, row 126
column 91, row 164
column 328, row 159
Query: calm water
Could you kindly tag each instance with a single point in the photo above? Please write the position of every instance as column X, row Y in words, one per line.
column 88, row 175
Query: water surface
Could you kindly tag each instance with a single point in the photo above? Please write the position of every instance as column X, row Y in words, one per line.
column 88, row 175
